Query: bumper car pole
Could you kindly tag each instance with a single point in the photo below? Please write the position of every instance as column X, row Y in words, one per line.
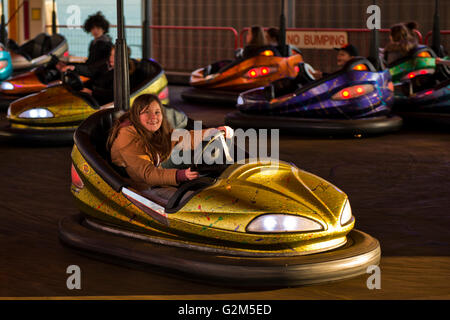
column 3, row 33
column 53, row 18
column 146, row 35
column 436, row 45
column 121, row 71
column 284, row 52
column 374, row 47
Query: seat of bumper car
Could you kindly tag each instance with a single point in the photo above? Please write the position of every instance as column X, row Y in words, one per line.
column 90, row 139
column 41, row 45
column 280, row 88
column 215, row 67
column 146, row 70
column 346, row 68
column 36, row 47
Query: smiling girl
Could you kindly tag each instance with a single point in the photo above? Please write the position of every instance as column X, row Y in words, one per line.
column 140, row 141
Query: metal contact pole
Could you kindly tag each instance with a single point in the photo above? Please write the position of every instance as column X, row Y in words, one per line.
column 374, row 46
column 121, row 72
column 54, row 18
column 282, row 39
column 146, row 33
column 436, row 44
column 3, row 33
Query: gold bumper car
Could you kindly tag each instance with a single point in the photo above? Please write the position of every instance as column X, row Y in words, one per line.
column 258, row 223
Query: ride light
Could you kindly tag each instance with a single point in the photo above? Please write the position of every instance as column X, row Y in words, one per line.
column 297, row 69
column 76, row 179
column 360, row 67
column 3, row 64
column 416, row 73
column 353, row 92
column 424, row 54
column 36, row 113
column 346, row 215
column 7, row 85
column 240, row 100
column 267, row 53
column 260, row 71
column 253, row 73
column 164, row 94
column 278, row 223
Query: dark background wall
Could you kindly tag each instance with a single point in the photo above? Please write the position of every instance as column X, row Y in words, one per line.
column 199, row 48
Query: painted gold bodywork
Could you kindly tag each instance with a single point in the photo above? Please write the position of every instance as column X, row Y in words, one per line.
column 235, row 79
column 218, row 216
column 68, row 109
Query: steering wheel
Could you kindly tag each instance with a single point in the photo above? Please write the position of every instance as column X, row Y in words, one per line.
column 72, row 80
column 306, row 73
column 53, row 61
column 205, row 162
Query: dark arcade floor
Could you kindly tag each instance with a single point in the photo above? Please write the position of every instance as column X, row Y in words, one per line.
column 398, row 185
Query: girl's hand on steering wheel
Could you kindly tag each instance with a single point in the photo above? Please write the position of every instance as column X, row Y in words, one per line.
column 317, row 74
column 65, row 68
column 186, row 175
column 190, row 175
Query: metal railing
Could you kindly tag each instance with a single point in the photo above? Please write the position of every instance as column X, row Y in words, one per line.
column 186, row 48
column 350, row 30
column 325, row 60
column 428, row 35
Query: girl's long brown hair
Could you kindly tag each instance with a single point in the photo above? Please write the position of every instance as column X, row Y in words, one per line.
column 157, row 143
column 403, row 39
column 258, row 38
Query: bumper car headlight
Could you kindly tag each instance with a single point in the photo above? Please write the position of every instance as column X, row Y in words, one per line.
column 7, row 85
column 276, row 223
column 346, row 215
column 36, row 113
column 3, row 64
column 240, row 101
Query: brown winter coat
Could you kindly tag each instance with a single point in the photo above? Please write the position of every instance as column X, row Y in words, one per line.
column 128, row 151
